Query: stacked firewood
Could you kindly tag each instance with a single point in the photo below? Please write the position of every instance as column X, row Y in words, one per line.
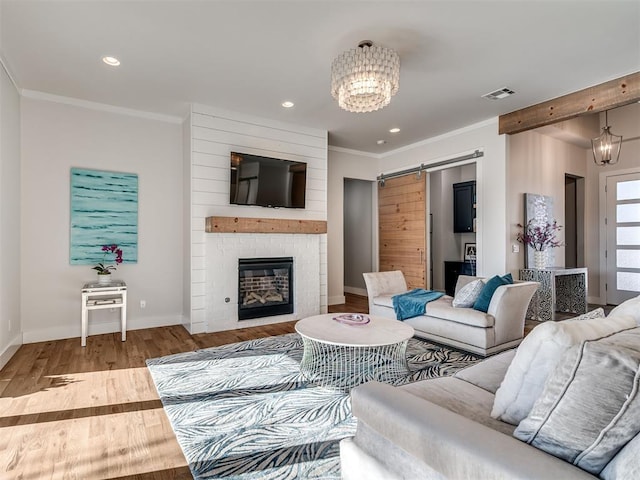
column 262, row 297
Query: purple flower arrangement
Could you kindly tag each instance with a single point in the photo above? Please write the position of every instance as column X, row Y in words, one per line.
column 106, row 269
column 539, row 236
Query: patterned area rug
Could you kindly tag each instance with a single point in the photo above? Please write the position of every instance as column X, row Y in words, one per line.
column 243, row 411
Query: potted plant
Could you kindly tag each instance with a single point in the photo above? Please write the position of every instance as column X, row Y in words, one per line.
column 539, row 236
column 104, row 271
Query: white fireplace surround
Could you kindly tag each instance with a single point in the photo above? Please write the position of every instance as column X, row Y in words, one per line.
column 222, row 253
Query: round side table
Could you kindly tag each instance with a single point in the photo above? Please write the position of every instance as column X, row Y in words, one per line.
column 343, row 355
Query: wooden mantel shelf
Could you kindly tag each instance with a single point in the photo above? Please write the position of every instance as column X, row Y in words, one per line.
column 263, row 225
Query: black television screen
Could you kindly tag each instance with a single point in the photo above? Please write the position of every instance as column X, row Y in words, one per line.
column 267, row 182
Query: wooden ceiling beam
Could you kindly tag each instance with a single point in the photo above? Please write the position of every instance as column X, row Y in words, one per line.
column 608, row 95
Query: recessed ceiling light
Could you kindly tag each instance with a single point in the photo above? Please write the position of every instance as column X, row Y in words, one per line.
column 381, row 142
column 288, row 104
column 112, row 61
column 394, row 130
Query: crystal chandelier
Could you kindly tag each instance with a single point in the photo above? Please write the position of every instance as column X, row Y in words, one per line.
column 364, row 79
column 606, row 147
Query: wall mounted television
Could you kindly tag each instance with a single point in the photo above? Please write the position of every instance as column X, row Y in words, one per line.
column 267, row 182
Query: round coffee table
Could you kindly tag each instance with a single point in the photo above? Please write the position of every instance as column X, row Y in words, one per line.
column 342, row 355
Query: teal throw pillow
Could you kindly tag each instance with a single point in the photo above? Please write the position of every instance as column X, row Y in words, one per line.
column 483, row 300
column 507, row 278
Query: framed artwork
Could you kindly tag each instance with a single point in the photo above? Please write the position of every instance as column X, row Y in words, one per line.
column 539, row 209
column 469, row 254
column 104, row 211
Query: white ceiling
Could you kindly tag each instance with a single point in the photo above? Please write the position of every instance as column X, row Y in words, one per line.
column 251, row 56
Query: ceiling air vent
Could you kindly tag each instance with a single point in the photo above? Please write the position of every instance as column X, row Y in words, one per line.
column 499, row 94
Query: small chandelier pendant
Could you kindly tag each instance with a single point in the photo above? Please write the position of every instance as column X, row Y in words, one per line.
column 365, row 78
column 606, row 147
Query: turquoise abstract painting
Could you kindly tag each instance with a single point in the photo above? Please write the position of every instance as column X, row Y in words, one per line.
column 104, row 211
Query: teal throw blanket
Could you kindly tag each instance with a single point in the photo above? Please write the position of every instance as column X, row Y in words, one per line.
column 413, row 303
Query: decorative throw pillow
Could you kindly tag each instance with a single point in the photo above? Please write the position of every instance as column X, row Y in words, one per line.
column 590, row 406
column 468, row 294
column 537, row 356
column 484, row 299
column 629, row 307
column 625, row 464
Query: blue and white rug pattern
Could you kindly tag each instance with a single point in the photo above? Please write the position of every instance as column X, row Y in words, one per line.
column 244, row 411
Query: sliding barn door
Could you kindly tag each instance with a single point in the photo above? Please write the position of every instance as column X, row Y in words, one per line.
column 402, row 222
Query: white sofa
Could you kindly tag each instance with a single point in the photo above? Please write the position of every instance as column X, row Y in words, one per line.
column 501, row 328
column 443, row 428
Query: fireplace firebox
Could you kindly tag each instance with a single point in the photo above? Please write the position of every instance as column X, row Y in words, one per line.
column 265, row 287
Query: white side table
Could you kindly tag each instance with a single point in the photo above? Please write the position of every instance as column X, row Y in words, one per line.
column 97, row 296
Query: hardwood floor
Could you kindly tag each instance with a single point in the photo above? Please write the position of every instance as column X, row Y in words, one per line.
column 93, row 413
column 354, row 304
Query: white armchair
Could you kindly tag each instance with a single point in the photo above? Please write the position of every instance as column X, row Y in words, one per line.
column 381, row 286
column 500, row 328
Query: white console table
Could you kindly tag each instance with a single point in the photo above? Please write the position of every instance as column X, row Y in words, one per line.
column 98, row 296
column 560, row 290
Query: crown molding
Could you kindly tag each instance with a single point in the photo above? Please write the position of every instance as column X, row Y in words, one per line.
column 76, row 102
column 359, row 153
column 438, row 138
column 427, row 141
column 6, row 68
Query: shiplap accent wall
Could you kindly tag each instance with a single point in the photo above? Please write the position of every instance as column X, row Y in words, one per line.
column 214, row 134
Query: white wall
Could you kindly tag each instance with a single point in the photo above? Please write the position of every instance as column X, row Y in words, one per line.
column 214, row 135
column 56, row 137
column 538, row 164
column 10, row 322
column 342, row 164
column 491, row 226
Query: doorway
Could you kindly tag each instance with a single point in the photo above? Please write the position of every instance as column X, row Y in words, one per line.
column 358, row 228
column 622, row 225
column 447, row 243
column 574, row 221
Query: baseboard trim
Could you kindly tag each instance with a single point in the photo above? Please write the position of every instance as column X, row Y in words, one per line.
column 195, row 328
column 10, row 350
column 356, row 291
column 337, row 300
column 73, row 331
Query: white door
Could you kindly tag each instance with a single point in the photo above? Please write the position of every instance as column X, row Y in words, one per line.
column 623, row 237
